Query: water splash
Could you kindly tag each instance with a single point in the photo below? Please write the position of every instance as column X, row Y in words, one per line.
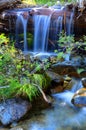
column 41, row 32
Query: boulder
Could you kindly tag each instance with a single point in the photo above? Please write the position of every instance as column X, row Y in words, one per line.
column 57, row 82
column 84, row 82
column 13, row 110
column 83, row 74
column 65, row 69
column 79, row 98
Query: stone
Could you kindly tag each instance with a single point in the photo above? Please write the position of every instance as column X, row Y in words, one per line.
column 84, row 82
column 57, row 82
column 13, row 110
column 83, row 74
column 79, row 98
column 64, row 69
column 78, row 55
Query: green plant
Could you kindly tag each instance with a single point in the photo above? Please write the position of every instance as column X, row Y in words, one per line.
column 15, row 74
column 66, row 41
column 30, row 86
column 3, row 39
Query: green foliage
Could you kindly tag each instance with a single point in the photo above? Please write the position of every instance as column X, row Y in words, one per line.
column 30, row 88
column 79, row 70
column 67, row 41
column 29, row 39
column 3, row 39
column 48, row 2
column 27, row 87
column 15, row 74
column 29, row 2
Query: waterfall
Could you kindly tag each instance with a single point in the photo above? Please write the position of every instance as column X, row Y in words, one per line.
column 81, row 3
column 41, row 32
column 69, row 24
column 58, row 25
column 46, row 30
column 56, row 28
column 21, row 23
column 60, row 19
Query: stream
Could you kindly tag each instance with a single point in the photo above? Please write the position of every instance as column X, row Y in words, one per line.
column 62, row 115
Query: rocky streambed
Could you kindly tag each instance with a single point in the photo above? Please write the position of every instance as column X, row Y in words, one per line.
column 62, row 113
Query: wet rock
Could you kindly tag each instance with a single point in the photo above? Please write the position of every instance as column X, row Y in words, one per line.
column 4, row 129
column 55, row 77
column 19, row 128
column 83, row 74
column 57, row 82
column 79, row 98
column 78, row 54
column 68, row 83
column 84, row 82
column 65, row 69
column 13, row 109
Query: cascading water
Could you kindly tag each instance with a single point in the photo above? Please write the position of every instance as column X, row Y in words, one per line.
column 56, row 26
column 41, row 32
column 69, row 24
column 21, row 23
column 46, row 30
column 63, row 115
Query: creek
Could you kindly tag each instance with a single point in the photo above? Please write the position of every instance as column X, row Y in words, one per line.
column 62, row 115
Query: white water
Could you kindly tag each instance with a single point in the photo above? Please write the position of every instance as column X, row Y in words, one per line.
column 80, row 3
column 63, row 115
column 41, row 32
column 21, row 22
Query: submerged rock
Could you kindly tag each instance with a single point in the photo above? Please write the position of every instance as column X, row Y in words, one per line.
column 13, row 109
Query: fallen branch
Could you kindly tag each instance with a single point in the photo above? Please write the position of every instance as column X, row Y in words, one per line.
column 43, row 94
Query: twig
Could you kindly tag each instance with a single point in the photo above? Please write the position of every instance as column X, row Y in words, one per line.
column 43, row 94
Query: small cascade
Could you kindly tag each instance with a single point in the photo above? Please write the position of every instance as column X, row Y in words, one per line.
column 76, row 86
column 81, row 3
column 56, row 28
column 59, row 22
column 46, row 26
column 69, row 24
column 21, row 29
column 56, row 25
column 41, row 32
column 63, row 115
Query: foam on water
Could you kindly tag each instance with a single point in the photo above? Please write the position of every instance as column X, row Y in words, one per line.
column 63, row 115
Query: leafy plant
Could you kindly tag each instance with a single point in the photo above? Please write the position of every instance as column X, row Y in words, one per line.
column 66, row 41
column 3, row 39
column 15, row 74
column 29, row 2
